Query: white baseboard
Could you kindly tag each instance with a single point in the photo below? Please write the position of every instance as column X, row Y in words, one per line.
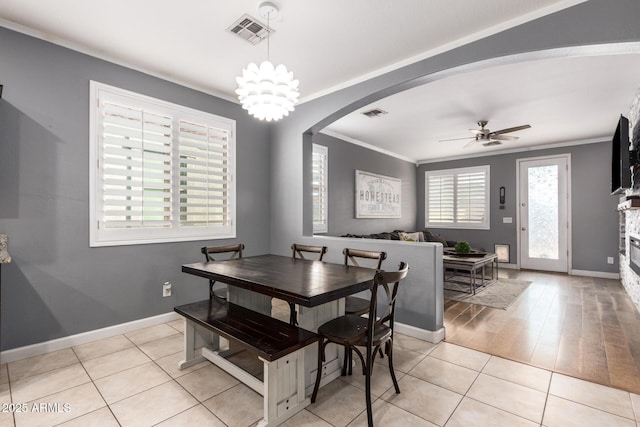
column 110, row 331
column 598, row 274
column 423, row 334
column 83, row 338
column 585, row 273
column 508, row 266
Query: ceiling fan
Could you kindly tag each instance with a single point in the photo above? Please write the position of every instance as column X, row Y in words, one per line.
column 487, row 137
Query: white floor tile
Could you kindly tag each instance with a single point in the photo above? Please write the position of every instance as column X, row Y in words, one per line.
column 565, row 413
column 115, row 382
column 519, row 400
column 601, row 397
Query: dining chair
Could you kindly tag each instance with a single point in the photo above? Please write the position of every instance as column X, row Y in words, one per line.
column 357, row 305
column 299, row 251
column 209, row 251
column 371, row 332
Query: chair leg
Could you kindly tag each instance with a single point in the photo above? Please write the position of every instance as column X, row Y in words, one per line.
column 389, row 345
column 367, row 382
column 350, row 365
column 344, row 362
column 293, row 317
column 319, row 372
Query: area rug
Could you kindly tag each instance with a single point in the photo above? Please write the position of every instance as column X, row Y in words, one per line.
column 500, row 294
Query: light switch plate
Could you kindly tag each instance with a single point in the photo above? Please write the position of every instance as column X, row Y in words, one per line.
column 507, row 220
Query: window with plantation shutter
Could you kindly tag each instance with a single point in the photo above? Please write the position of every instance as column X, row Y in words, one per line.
column 205, row 178
column 160, row 172
column 457, row 198
column 320, row 167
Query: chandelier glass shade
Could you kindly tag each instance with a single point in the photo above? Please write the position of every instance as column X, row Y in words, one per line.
column 267, row 92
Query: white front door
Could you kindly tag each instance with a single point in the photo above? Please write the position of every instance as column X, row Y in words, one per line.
column 543, row 215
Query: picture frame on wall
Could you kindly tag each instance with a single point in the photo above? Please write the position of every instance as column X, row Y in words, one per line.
column 378, row 196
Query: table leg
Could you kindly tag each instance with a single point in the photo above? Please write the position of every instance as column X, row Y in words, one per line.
column 311, row 318
column 251, row 300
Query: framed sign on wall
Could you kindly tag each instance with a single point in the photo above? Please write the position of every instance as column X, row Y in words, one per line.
column 377, row 196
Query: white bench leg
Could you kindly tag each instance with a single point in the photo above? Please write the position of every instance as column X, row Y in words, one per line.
column 284, row 388
column 195, row 338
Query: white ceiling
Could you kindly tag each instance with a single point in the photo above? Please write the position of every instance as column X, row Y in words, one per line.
column 331, row 44
column 566, row 100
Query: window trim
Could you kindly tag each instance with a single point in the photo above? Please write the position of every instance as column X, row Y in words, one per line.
column 322, row 227
column 133, row 236
column 486, row 224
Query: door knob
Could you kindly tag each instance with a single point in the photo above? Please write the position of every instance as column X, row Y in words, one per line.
column 524, row 229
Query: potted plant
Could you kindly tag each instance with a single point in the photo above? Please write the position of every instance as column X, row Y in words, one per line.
column 462, row 247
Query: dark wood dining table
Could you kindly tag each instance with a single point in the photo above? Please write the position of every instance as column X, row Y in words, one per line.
column 317, row 288
column 300, row 281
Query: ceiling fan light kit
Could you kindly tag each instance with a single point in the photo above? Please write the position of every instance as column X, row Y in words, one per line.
column 267, row 92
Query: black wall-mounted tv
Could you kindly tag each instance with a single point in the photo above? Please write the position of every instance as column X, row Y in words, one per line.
column 620, row 158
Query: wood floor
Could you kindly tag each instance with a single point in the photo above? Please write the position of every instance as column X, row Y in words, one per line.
column 584, row 327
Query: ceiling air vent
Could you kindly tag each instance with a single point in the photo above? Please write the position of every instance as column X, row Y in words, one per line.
column 250, row 29
column 376, row 112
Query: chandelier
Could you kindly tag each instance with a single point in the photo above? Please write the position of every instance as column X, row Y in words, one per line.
column 267, row 92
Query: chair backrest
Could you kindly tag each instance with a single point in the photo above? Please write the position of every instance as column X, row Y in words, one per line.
column 300, row 250
column 235, row 250
column 383, row 279
column 351, row 257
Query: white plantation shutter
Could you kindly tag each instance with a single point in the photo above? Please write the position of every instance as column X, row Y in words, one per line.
column 160, row 172
column 440, row 199
column 470, row 198
column 205, row 179
column 320, row 171
column 457, row 198
column 136, row 168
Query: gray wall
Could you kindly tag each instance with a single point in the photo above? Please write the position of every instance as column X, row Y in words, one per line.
column 344, row 159
column 594, row 218
column 57, row 285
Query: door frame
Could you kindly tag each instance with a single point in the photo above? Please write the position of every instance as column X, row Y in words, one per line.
column 567, row 157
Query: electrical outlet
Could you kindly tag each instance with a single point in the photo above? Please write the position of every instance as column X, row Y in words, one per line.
column 610, row 260
column 166, row 289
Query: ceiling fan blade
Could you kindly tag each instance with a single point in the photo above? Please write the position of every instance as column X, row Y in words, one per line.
column 504, row 138
column 513, row 129
column 454, row 139
column 477, row 131
column 470, row 143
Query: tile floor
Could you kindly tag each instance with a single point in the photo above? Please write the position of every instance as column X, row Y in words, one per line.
column 133, row 380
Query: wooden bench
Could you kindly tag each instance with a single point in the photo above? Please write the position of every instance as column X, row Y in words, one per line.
column 279, row 345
